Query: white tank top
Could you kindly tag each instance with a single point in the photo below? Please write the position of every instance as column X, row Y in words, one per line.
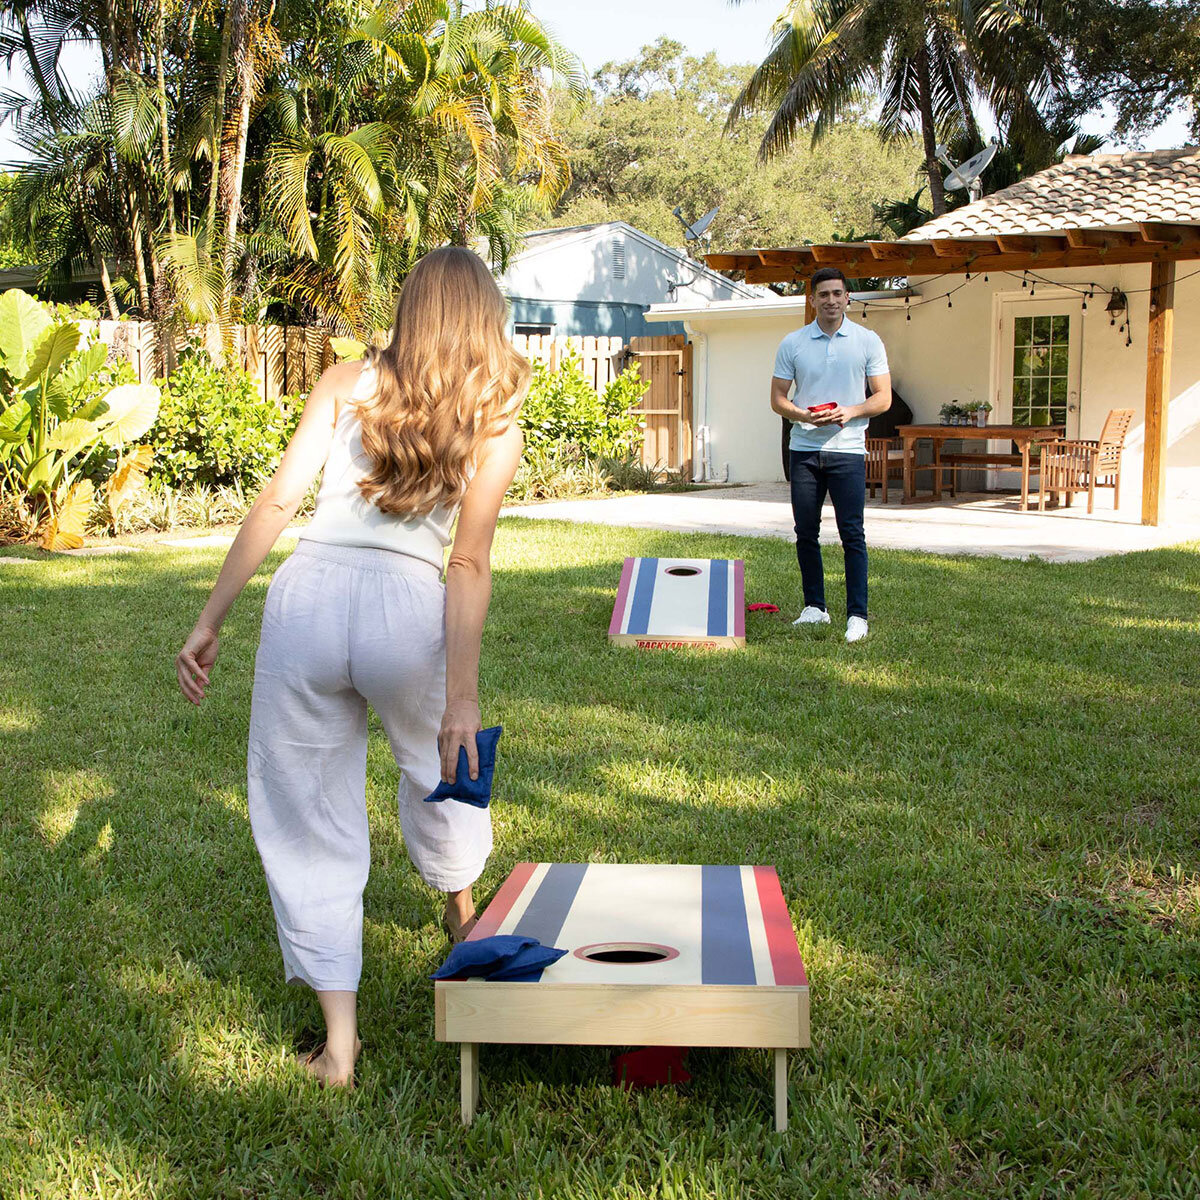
column 344, row 518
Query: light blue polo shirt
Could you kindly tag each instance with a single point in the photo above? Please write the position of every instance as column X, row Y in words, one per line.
column 827, row 369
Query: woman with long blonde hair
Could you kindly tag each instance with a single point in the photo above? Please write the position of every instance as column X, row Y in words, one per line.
column 359, row 615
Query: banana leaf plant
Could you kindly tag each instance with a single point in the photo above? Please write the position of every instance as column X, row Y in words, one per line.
column 52, row 421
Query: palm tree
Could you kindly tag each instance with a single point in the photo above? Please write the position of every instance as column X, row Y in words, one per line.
column 414, row 125
column 54, row 111
column 928, row 60
column 298, row 150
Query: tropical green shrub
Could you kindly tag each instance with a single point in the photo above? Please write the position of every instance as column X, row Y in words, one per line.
column 562, row 406
column 160, row 507
column 57, row 416
column 556, row 471
column 214, row 428
column 626, row 426
column 628, row 473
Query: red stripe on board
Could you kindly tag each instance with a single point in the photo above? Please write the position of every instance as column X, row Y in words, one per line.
column 502, row 902
column 614, row 626
column 777, row 921
column 739, row 598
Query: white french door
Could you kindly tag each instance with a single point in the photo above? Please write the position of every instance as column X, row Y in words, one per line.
column 1039, row 352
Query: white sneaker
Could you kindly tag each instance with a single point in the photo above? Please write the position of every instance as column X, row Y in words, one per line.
column 856, row 629
column 812, row 616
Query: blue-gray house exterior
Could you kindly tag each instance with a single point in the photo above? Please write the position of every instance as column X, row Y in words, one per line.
column 599, row 281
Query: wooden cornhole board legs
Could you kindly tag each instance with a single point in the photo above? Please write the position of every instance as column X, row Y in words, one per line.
column 469, row 1059
column 468, row 1054
column 658, row 955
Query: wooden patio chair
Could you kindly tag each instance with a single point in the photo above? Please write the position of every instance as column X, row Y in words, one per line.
column 1083, row 465
column 885, row 460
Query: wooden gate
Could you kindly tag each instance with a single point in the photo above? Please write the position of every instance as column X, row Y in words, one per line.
column 666, row 363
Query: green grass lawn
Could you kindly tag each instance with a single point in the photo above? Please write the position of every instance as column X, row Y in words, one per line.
column 986, row 819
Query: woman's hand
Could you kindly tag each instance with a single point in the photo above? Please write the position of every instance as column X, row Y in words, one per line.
column 460, row 724
column 194, row 661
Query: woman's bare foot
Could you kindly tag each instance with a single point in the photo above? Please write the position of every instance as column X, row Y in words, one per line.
column 457, row 930
column 326, row 1070
column 459, row 918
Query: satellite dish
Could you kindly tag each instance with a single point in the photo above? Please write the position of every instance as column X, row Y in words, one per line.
column 695, row 231
column 967, row 174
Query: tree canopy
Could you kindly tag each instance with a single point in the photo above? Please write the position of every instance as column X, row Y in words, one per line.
column 1141, row 57
column 651, row 137
column 929, row 63
column 295, row 154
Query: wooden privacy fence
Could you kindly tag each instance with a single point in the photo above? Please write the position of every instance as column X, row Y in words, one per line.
column 286, row 360
column 602, row 359
column 283, row 360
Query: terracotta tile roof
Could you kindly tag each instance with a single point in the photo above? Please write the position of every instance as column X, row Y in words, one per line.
column 1096, row 191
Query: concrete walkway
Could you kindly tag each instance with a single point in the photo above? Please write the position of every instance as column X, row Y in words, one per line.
column 989, row 524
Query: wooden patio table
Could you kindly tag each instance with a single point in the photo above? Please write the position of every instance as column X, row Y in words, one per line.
column 1023, row 435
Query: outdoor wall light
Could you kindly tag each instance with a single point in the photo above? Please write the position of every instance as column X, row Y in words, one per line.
column 1116, row 306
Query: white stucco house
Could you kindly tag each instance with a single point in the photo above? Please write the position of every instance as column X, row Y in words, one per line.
column 599, row 281
column 1066, row 256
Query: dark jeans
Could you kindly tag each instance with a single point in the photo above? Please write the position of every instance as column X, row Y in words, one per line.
column 843, row 477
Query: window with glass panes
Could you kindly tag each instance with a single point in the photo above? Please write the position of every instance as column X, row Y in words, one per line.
column 1040, row 369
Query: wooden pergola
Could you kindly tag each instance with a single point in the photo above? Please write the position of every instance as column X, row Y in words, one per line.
column 1159, row 244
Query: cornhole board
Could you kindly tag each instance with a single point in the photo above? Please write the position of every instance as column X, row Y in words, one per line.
column 657, row 956
column 673, row 602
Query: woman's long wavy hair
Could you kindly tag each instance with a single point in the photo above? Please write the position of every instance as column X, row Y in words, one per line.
column 448, row 380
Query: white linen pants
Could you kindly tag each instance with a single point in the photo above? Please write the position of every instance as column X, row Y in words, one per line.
column 345, row 627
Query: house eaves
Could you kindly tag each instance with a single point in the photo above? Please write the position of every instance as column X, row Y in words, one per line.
column 584, row 233
column 741, row 310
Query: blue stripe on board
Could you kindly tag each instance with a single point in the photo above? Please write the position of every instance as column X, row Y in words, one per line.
column 643, row 593
column 548, row 909
column 718, row 598
column 725, row 954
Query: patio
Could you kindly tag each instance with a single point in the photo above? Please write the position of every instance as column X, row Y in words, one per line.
column 976, row 523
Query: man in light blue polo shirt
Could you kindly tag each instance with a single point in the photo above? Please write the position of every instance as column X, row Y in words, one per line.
column 833, row 364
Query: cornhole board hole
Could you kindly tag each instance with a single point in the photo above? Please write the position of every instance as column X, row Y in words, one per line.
column 657, row 956
column 673, row 602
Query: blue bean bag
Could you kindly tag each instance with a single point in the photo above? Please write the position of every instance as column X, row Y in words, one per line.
column 472, row 791
column 503, row 956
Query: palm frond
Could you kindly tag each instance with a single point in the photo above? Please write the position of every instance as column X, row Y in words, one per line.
column 197, row 277
column 287, row 163
column 135, row 116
